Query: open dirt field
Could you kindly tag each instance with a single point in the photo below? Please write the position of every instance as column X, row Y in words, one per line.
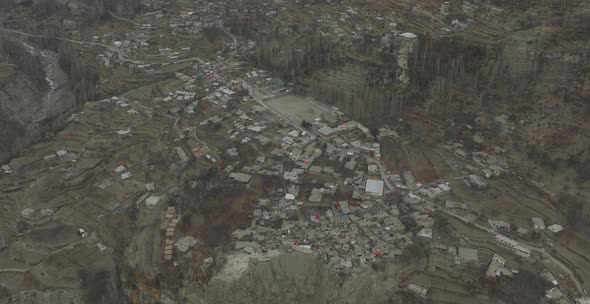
column 221, row 212
column 398, row 157
column 297, row 108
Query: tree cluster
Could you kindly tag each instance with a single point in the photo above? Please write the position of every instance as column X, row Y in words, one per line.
column 526, row 288
column 576, row 208
column 306, row 124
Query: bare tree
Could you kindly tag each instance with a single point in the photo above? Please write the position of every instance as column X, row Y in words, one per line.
column 576, row 207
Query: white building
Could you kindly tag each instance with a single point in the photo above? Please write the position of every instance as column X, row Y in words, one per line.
column 498, row 267
column 374, row 187
column 373, row 169
column 425, row 233
column 555, row 228
column 514, row 245
column 538, row 224
column 417, row 289
column 152, row 201
column 7, row 169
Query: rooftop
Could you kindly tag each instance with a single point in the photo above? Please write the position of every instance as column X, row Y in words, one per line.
column 240, row 177
column 374, row 187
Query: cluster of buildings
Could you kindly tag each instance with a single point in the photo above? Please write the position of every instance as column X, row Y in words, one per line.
column 331, row 156
column 336, row 200
column 342, row 233
column 479, row 167
column 130, row 49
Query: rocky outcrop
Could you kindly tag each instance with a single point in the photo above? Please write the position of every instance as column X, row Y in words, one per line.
column 93, row 10
column 43, row 80
column 90, row 10
column 39, row 93
column 375, row 75
column 17, row 99
column 292, row 278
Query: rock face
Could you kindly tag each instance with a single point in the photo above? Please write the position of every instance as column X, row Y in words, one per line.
column 376, row 74
column 59, row 296
column 94, row 10
column 43, row 82
column 17, row 97
column 35, row 100
column 291, row 279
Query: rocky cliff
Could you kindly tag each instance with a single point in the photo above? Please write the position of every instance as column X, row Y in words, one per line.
column 40, row 94
column 43, row 77
column 295, row 278
column 375, row 64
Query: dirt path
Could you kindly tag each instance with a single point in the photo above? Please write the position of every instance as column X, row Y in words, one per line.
column 213, row 151
column 123, row 19
column 22, row 270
